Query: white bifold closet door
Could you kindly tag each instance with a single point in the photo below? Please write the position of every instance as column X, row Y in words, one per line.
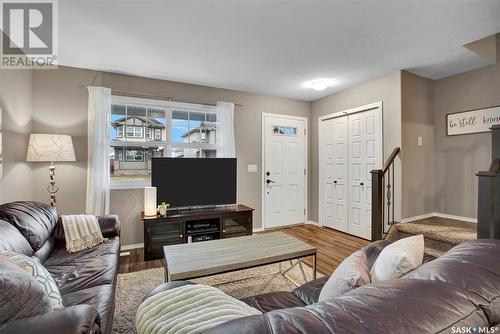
column 352, row 147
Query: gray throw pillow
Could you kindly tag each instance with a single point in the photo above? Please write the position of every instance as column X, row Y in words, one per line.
column 21, row 296
column 39, row 273
column 350, row 274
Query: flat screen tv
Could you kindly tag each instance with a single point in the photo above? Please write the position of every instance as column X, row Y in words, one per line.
column 194, row 182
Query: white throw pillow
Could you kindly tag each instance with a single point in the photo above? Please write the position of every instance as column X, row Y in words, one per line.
column 398, row 258
column 189, row 309
column 353, row 272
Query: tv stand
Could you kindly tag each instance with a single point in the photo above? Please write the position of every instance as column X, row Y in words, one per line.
column 194, row 225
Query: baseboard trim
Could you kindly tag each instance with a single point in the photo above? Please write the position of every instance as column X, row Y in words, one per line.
column 465, row 219
column 257, row 229
column 441, row 215
column 424, row 216
column 124, row 248
column 311, row 222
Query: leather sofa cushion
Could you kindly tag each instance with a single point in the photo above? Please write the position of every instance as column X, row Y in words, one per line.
column 309, row 292
column 273, row 301
column 472, row 265
column 395, row 306
column 101, row 297
column 89, row 268
column 12, row 240
column 34, row 220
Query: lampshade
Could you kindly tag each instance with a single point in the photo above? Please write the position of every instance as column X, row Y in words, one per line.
column 150, row 201
column 47, row 147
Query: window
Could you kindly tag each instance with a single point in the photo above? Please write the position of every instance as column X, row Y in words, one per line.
column 135, row 131
column 134, row 155
column 119, row 131
column 141, row 129
column 284, row 130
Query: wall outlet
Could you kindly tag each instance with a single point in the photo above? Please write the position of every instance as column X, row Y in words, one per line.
column 420, row 140
column 252, row 168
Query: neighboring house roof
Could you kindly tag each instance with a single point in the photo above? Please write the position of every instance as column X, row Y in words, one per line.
column 149, row 121
column 204, row 126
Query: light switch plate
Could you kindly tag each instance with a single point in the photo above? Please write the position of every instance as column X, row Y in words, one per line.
column 252, row 168
column 420, row 140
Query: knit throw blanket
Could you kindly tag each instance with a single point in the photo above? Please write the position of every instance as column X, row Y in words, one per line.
column 81, row 232
column 189, row 309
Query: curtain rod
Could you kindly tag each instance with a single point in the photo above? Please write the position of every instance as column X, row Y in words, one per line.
column 154, row 97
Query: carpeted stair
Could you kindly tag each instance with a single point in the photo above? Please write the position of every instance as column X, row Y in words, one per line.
column 440, row 234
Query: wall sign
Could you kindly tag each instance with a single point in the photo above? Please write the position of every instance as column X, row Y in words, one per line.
column 472, row 121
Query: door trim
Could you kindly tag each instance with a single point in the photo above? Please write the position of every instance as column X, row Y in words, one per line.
column 262, row 159
column 377, row 105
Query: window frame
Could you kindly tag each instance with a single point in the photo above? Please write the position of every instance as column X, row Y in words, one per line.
column 169, row 146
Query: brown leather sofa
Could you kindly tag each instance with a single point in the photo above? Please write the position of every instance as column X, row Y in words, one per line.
column 86, row 280
column 460, row 289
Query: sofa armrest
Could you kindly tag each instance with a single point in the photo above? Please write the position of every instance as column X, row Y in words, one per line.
column 110, row 225
column 81, row 319
column 309, row 292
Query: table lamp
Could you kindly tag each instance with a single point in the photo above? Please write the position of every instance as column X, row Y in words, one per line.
column 49, row 147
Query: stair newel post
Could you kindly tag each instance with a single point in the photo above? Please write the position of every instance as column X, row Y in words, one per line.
column 488, row 215
column 377, row 204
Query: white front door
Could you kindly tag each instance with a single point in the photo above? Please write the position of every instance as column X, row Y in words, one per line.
column 284, row 168
column 351, row 146
column 335, row 181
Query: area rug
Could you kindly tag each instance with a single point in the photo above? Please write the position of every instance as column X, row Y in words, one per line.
column 132, row 287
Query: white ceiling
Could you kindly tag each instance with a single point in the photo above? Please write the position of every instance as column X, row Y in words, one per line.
column 273, row 47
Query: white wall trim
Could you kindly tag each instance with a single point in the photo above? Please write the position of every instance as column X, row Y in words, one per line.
column 424, row 216
column 131, row 246
column 258, row 229
column 441, row 215
column 465, row 219
column 310, row 222
column 262, row 157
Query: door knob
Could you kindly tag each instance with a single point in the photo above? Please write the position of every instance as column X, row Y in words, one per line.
column 268, row 173
column 361, row 184
column 269, row 181
column 335, row 182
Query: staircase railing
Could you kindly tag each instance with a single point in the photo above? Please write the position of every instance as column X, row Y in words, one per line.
column 383, row 196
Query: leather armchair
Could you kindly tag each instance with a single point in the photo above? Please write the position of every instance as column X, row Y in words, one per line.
column 74, row 319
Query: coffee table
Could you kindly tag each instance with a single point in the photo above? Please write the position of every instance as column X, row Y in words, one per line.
column 194, row 260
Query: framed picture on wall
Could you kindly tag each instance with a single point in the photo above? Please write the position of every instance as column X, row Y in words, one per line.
column 472, row 121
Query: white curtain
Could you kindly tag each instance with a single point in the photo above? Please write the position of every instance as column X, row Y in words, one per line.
column 225, row 130
column 99, row 111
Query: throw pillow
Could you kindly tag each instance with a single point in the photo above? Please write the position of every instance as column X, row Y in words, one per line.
column 350, row 274
column 41, row 275
column 21, row 296
column 398, row 258
column 189, row 309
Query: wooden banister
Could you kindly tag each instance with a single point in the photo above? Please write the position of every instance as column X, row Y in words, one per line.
column 391, row 159
column 383, row 196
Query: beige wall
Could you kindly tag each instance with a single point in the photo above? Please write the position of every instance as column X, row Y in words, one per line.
column 62, row 108
column 386, row 89
column 459, row 158
column 16, row 105
column 417, row 161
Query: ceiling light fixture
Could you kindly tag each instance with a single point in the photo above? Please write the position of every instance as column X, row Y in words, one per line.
column 320, row 84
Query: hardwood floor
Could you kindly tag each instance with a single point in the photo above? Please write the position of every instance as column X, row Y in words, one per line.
column 333, row 247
